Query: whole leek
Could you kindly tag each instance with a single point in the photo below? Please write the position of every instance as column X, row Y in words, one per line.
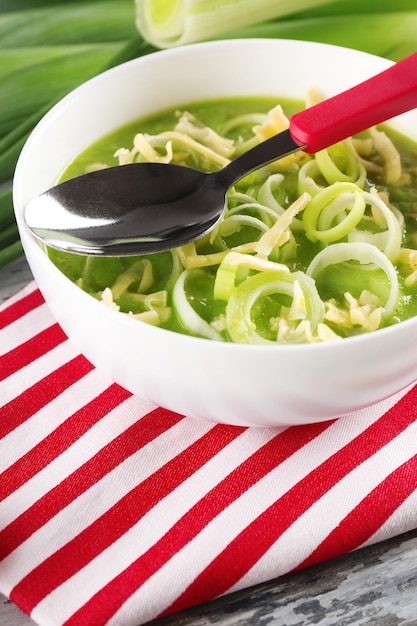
column 382, row 27
column 167, row 23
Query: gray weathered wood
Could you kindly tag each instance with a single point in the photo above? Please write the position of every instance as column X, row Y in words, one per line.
column 375, row 585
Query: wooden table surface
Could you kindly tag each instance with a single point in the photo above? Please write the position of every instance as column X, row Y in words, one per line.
column 375, row 585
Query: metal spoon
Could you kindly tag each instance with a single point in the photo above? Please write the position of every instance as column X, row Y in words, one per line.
column 149, row 207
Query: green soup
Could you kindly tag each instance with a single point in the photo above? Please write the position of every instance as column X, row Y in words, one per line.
column 311, row 248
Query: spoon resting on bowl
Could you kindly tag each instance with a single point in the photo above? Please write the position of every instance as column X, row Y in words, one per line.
column 149, row 207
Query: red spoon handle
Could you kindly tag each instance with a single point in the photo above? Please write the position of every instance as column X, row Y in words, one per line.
column 390, row 93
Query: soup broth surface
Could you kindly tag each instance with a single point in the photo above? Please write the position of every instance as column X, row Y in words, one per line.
column 287, row 262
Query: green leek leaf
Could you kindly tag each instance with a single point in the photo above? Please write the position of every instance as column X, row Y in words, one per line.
column 24, row 5
column 355, row 7
column 69, row 23
column 47, row 80
column 6, row 209
column 47, row 49
column 10, row 253
column 391, row 35
column 14, row 59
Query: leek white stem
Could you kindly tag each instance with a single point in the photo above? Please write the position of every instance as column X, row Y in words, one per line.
column 167, row 23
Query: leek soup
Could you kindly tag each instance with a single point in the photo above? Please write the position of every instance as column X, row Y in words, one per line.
column 311, row 248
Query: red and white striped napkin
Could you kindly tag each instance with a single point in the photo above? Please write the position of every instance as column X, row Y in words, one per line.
column 115, row 511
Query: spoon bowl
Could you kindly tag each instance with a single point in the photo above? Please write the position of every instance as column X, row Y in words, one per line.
column 125, row 210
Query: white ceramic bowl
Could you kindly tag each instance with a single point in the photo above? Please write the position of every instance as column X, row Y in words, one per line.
column 235, row 384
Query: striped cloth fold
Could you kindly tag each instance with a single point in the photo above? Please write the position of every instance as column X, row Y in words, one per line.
column 116, row 511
